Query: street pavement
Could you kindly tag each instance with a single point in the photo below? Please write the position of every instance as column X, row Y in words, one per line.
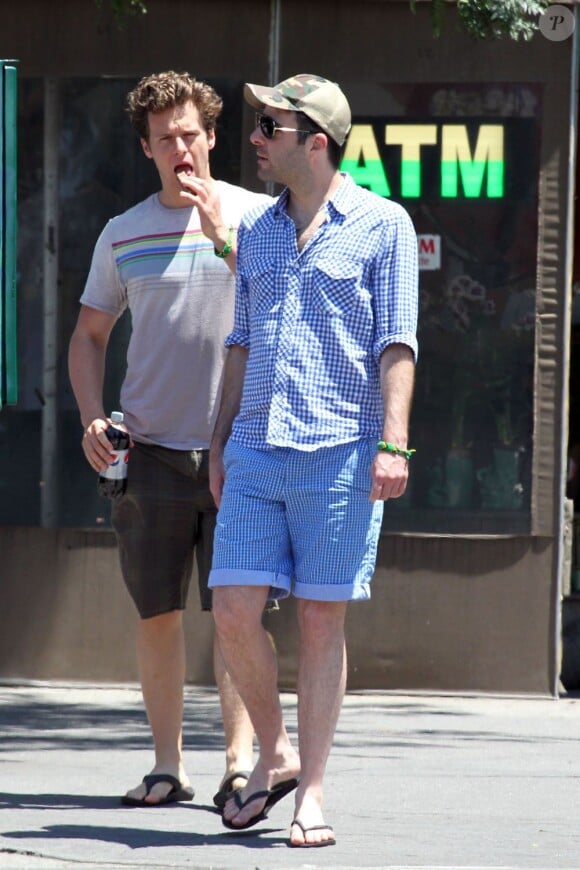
column 414, row 781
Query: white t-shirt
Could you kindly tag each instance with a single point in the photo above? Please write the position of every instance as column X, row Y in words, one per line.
column 157, row 262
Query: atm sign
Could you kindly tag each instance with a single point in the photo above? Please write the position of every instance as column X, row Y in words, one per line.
column 443, row 161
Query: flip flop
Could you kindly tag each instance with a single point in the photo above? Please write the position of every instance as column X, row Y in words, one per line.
column 305, row 830
column 272, row 795
column 226, row 791
column 178, row 791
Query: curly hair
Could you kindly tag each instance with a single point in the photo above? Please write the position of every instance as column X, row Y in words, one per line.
column 155, row 93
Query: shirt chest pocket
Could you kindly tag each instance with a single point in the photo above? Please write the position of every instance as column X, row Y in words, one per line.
column 264, row 290
column 336, row 287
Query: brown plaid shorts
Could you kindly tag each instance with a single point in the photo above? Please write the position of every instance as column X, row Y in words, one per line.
column 166, row 516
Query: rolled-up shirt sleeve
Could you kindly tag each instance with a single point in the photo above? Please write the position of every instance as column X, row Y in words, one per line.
column 395, row 286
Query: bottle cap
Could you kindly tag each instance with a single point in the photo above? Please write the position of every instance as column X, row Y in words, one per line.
column 117, row 416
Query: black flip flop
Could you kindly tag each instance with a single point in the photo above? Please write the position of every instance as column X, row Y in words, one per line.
column 178, row 791
column 305, row 830
column 272, row 795
column 226, row 791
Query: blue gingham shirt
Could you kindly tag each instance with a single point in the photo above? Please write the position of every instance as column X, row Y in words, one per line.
column 316, row 321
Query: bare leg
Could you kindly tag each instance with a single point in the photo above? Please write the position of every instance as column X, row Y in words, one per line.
column 161, row 657
column 238, row 729
column 321, row 686
column 251, row 661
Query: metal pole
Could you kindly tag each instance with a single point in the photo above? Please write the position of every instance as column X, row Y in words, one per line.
column 274, row 42
column 8, row 230
column 49, row 479
column 274, row 57
column 8, row 326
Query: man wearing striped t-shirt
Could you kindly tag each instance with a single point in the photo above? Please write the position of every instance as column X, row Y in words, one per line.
column 311, row 436
column 171, row 261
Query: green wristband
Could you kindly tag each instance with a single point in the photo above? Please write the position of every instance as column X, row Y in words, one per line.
column 387, row 447
column 227, row 248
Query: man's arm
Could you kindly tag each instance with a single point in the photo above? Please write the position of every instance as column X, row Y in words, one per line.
column 389, row 471
column 86, row 365
column 234, row 372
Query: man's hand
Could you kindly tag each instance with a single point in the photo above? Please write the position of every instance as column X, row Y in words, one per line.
column 389, row 475
column 203, row 193
column 96, row 445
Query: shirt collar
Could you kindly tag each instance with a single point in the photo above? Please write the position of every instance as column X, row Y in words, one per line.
column 340, row 199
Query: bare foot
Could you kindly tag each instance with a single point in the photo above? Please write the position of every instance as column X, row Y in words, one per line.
column 316, row 835
column 157, row 793
column 261, row 780
column 233, row 780
column 309, row 827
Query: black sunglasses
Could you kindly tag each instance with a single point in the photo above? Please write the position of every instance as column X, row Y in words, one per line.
column 269, row 126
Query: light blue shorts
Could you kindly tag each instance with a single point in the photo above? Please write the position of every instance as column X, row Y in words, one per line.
column 298, row 522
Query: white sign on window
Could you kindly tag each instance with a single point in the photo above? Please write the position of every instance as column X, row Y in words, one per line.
column 429, row 252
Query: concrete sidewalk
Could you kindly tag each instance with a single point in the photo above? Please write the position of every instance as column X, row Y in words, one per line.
column 414, row 781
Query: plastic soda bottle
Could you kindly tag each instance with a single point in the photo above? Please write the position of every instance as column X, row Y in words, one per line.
column 113, row 481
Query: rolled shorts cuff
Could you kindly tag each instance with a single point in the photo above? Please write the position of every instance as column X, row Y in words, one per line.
column 332, row 592
column 279, row 584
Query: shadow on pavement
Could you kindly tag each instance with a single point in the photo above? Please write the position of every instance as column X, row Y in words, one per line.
column 58, row 801
column 145, row 838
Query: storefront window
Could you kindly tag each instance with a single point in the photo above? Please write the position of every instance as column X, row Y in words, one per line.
column 463, row 160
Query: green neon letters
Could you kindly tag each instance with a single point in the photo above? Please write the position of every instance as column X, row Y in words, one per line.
column 362, row 160
column 474, row 172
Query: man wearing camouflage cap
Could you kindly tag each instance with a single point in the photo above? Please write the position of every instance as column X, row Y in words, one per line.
column 317, row 392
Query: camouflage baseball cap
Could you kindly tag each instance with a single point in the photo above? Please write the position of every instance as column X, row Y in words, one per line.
column 320, row 99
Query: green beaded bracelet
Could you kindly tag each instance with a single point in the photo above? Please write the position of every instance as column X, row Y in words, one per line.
column 392, row 448
column 227, row 248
